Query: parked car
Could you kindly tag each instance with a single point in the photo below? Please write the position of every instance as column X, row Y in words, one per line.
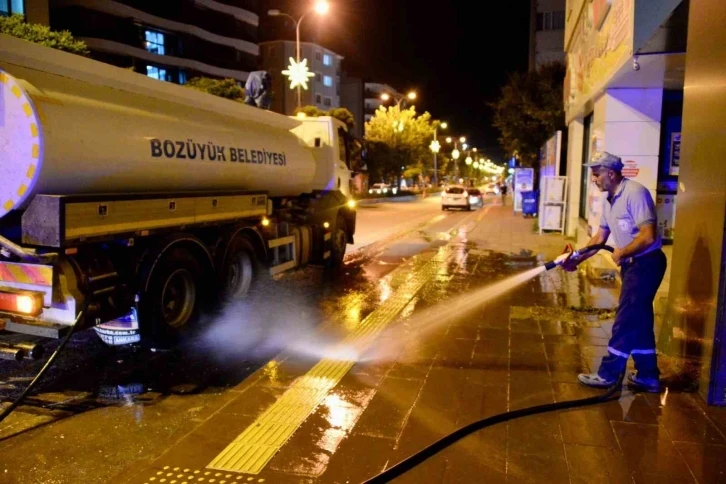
column 455, row 196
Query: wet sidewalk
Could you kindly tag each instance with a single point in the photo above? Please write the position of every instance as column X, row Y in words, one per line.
column 442, row 361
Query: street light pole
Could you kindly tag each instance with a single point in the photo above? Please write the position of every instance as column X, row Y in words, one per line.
column 321, row 8
column 436, row 152
column 411, row 95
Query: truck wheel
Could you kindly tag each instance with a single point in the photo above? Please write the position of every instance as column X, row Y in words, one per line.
column 171, row 304
column 339, row 240
column 238, row 270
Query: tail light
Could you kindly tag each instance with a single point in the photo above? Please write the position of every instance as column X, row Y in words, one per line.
column 26, row 303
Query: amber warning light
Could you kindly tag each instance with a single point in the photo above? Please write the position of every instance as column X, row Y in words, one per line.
column 26, row 303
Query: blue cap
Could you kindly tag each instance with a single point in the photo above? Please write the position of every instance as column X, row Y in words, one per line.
column 606, row 160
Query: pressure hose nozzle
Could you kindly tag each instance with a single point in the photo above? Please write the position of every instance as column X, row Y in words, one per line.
column 569, row 253
column 561, row 259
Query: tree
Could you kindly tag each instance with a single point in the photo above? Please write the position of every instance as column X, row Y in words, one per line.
column 226, row 88
column 310, row 111
column 407, row 136
column 530, row 110
column 341, row 114
column 16, row 26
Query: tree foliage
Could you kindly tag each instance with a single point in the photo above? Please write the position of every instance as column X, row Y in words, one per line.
column 341, row 114
column 226, row 88
column 529, row 111
column 407, row 137
column 16, row 26
column 310, row 111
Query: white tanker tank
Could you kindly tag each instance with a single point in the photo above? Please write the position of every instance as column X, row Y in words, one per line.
column 71, row 125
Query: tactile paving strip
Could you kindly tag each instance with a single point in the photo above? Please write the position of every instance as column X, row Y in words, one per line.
column 253, row 448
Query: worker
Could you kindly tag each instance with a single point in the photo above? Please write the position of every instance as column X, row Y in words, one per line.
column 628, row 214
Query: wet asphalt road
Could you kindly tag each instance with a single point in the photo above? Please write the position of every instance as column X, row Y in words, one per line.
column 100, row 410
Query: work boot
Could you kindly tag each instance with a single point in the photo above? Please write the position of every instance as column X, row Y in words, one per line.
column 594, row 380
column 650, row 385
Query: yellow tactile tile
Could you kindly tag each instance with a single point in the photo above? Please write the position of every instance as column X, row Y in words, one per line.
column 256, row 445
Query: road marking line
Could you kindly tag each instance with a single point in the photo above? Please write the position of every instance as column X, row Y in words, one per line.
column 251, row 451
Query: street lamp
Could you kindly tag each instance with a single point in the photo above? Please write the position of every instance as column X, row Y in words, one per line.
column 411, row 95
column 299, row 70
column 435, row 147
column 455, row 155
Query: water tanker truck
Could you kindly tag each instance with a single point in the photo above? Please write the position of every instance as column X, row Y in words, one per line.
column 127, row 204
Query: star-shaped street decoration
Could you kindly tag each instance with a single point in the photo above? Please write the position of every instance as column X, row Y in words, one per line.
column 298, row 73
column 435, row 146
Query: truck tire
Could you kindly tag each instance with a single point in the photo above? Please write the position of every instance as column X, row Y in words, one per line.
column 238, row 270
column 338, row 242
column 171, row 304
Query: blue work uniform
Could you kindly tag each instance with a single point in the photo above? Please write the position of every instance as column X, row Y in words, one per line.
column 623, row 214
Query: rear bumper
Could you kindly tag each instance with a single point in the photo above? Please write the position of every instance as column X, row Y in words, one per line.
column 454, row 202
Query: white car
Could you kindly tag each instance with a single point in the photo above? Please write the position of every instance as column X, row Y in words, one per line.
column 455, row 196
column 379, row 188
column 492, row 189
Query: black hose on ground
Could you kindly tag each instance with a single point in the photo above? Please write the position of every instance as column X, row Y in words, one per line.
column 45, row 368
column 417, row 458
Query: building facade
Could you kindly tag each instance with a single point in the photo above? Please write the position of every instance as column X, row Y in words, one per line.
column 171, row 41
column 323, row 90
column 547, row 32
column 627, row 92
column 352, row 92
column 372, row 100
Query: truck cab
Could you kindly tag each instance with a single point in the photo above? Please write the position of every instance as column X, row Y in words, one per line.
column 337, row 152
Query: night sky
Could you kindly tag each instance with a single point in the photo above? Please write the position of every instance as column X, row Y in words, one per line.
column 455, row 54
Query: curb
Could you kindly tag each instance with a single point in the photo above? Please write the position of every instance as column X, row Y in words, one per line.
column 407, row 198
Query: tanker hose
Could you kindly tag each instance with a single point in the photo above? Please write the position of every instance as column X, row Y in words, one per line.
column 17, row 251
column 567, row 255
column 433, row 449
column 45, row 368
